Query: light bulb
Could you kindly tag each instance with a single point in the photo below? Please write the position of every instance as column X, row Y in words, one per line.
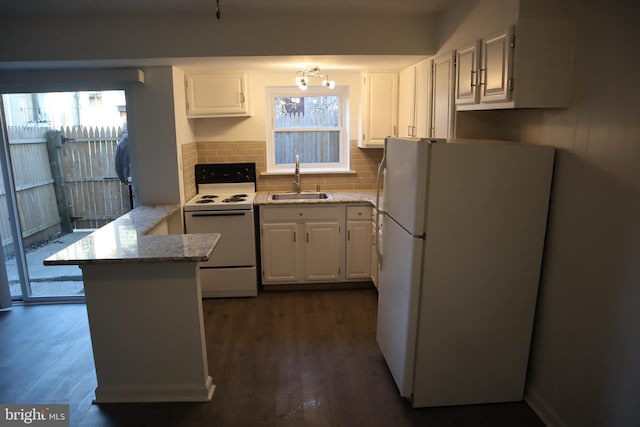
column 329, row 83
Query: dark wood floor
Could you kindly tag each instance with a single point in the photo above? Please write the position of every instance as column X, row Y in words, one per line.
column 281, row 359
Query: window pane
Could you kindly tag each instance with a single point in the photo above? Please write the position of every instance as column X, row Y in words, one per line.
column 311, row 146
column 307, row 112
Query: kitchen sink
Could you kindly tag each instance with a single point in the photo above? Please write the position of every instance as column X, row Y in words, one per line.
column 300, row 196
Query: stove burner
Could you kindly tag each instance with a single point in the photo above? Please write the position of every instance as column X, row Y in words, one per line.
column 209, row 196
column 204, row 201
column 239, row 195
column 234, row 199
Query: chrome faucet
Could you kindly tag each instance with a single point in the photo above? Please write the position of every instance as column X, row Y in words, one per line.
column 296, row 181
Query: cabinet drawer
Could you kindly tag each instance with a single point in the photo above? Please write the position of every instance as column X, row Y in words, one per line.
column 299, row 213
column 362, row 212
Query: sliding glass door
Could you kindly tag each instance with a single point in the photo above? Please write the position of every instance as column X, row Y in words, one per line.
column 13, row 270
column 59, row 183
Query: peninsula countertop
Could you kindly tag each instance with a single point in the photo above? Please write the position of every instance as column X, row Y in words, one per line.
column 124, row 241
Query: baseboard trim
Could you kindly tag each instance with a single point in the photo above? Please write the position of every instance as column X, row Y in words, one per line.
column 155, row 393
column 542, row 408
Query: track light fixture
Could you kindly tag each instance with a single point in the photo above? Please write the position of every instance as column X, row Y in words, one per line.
column 302, row 79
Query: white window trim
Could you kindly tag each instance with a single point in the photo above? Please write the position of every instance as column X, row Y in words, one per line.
column 344, row 164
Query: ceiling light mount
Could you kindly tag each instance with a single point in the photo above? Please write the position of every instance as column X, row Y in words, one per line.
column 302, row 79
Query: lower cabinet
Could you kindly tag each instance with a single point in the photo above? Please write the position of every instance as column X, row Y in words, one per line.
column 358, row 246
column 301, row 244
column 280, row 250
column 308, row 244
column 322, row 251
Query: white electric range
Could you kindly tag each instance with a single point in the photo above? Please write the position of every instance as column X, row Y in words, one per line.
column 224, row 204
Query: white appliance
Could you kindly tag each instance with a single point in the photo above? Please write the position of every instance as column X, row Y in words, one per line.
column 464, row 230
column 224, row 204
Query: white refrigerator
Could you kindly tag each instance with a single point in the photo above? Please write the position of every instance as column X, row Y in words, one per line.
column 461, row 251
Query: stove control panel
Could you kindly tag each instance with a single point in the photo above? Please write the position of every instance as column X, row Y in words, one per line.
column 225, row 173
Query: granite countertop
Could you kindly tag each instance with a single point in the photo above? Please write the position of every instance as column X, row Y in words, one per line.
column 338, row 196
column 124, row 241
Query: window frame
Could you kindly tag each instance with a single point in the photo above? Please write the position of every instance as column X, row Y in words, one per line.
column 342, row 92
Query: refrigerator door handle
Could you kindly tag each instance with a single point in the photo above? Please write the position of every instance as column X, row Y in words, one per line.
column 379, row 211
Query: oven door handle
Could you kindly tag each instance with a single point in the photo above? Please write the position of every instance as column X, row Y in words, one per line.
column 219, row 214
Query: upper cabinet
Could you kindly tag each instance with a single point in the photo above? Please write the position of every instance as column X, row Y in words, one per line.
column 379, row 108
column 524, row 66
column 217, row 94
column 495, row 74
column 467, row 74
column 484, row 70
column 414, row 101
column 443, row 87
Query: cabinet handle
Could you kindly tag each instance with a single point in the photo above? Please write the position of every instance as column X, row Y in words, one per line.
column 395, row 131
column 294, row 237
column 307, row 237
column 348, row 234
column 482, row 73
column 410, row 130
column 473, row 78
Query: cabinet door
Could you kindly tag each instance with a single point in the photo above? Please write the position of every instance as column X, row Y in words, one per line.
column 216, row 94
column 279, row 252
column 442, row 113
column 374, row 255
column 467, row 74
column 358, row 250
column 495, row 67
column 407, row 102
column 380, row 106
column 323, row 251
column 423, row 100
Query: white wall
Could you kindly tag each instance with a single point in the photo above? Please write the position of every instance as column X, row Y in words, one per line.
column 184, row 126
column 152, row 138
column 584, row 368
column 470, row 20
column 585, row 364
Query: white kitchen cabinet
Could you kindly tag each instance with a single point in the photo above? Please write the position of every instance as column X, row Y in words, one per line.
column 466, row 85
column 217, row 94
column 524, row 66
column 322, row 251
column 374, row 254
column 494, row 75
column 280, row 252
column 483, row 70
column 301, row 244
column 414, row 100
column 358, row 245
column 443, row 94
column 379, row 108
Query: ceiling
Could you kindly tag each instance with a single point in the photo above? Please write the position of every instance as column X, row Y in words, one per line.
column 57, row 7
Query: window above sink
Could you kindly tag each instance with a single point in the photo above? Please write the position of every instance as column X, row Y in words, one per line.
column 312, row 124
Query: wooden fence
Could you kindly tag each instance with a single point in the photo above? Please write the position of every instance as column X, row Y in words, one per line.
column 93, row 191
column 82, row 175
column 314, row 136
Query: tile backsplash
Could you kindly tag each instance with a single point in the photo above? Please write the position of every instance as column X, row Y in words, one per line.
column 364, row 164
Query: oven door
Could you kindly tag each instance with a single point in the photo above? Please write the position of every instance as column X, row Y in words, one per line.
column 236, row 247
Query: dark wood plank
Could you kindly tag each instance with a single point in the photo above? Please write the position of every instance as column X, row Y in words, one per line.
column 295, row 358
